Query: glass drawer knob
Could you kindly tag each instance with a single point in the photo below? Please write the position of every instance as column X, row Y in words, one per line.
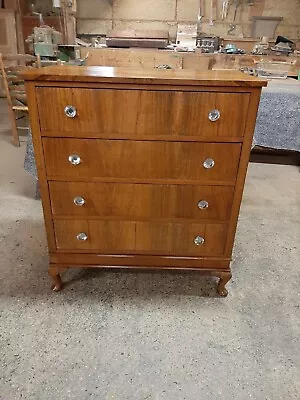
column 198, row 240
column 79, row 201
column 82, row 236
column 208, row 163
column 70, row 111
column 202, row 204
column 214, row 115
column 74, row 159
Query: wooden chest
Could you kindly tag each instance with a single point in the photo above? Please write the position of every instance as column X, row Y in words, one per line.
column 141, row 168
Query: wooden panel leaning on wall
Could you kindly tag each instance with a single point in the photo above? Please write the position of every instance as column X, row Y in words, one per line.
column 138, row 186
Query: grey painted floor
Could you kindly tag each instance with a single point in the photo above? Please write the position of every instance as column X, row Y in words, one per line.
column 128, row 335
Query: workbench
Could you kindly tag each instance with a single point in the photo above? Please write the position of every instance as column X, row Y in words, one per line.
column 278, row 121
column 153, row 58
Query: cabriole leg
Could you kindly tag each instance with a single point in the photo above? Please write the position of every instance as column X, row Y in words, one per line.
column 55, row 271
column 224, row 279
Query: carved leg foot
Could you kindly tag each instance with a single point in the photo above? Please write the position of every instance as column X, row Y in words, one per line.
column 224, row 278
column 54, row 272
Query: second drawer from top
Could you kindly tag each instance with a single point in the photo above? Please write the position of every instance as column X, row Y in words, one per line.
column 141, row 161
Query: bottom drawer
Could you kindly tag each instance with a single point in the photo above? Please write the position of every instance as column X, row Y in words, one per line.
column 131, row 237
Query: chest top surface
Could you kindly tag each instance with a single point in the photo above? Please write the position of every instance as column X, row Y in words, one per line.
column 143, row 76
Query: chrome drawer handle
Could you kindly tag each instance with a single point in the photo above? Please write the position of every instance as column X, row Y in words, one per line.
column 82, row 236
column 202, row 204
column 70, row 111
column 79, row 201
column 208, row 163
column 214, row 115
column 74, row 159
column 199, row 240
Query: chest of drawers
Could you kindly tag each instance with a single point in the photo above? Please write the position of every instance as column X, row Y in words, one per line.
column 140, row 168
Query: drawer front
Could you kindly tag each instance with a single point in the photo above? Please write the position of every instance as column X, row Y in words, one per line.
column 124, row 159
column 100, row 235
column 140, row 200
column 140, row 236
column 107, row 112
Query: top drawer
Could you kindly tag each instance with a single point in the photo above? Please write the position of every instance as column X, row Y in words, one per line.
column 80, row 112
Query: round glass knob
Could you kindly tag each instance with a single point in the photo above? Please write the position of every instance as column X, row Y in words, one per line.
column 82, row 236
column 198, row 240
column 214, row 115
column 208, row 163
column 70, row 111
column 74, row 159
column 79, row 201
column 202, row 204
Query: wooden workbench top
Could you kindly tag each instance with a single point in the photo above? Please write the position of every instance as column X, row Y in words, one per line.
column 62, row 73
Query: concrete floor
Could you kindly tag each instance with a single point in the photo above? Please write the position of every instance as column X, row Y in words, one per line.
column 127, row 335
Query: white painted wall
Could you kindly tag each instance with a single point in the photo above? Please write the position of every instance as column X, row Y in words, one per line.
column 99, row 16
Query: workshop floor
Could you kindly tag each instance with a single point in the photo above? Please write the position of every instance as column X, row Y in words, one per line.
column 128, row 335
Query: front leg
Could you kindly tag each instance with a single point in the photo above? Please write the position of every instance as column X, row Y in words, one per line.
column 55, row 271
column 224, row 279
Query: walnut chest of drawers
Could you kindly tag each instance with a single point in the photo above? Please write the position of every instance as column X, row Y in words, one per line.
column 141, row 168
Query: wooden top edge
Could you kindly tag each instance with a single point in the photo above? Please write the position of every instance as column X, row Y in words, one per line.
column 62, row 73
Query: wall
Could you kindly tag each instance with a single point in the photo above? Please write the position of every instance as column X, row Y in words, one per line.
column 43, row 6
column 99, row 16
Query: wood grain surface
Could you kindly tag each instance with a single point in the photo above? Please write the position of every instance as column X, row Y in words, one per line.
column 140, row 261
column 126, row 160
column 142, row 138
column 140, row 201
column 140, row 236
column 62, row 73
column 112, row 113
column 40, row 163
column 244, row 160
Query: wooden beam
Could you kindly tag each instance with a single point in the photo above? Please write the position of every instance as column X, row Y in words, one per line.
column 19, row 28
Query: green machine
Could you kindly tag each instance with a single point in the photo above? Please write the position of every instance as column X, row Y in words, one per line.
column 44, row 41
column 48, row 43
column 68, row 52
